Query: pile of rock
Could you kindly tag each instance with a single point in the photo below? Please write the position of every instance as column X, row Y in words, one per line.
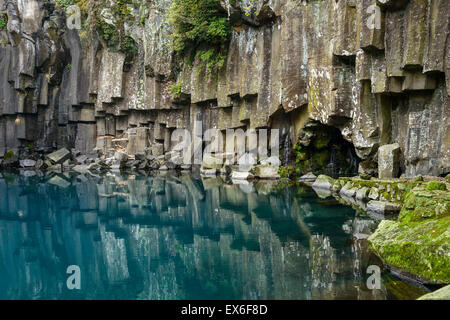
column 378, row 197
column 247, row 166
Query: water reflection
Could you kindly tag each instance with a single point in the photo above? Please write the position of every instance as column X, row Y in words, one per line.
column 178, row 237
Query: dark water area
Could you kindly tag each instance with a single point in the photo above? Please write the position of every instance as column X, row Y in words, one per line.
column 176, row 236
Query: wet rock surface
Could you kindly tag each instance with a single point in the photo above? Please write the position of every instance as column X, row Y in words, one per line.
column 298, row 61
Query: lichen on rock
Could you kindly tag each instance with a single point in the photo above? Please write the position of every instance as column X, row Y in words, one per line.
column 419, row 241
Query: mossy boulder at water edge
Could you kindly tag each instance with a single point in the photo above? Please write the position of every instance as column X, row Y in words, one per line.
column 441, row 294
column 419, row 242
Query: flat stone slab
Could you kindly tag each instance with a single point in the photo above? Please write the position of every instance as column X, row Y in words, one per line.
column 59, row 156
column 27, row 163
column 208, row 173
column 383, row 207
column 60, row 182
column 241, row 175
column 348, row 191
column 309, row 177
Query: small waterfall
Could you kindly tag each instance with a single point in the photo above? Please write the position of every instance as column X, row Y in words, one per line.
column 332, row 165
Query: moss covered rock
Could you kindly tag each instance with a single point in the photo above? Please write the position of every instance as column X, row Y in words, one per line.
column 436, row 185
column 323, row 182
column 441, row 294
column 419, row 242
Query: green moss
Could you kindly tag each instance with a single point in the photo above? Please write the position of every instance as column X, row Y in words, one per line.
column 321, row 159
column 419, row 241
column 436, row 185
column 8, row 155
column 365, row 176
column 420, row 206
column 420, row 250
column 202, row 25
column 286, row 172
column 175, row 89
column 3, row 21
column 114, row 35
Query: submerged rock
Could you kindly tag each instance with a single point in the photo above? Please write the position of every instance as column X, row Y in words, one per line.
column 60, row 182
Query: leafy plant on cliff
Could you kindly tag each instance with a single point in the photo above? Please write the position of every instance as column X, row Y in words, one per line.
column 199, row 23
column 175, row 89
column 8, row 155
column 114, row 33
column 3, row 21
column 172, row 90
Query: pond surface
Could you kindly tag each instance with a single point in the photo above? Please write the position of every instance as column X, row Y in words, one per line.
column 181, row 237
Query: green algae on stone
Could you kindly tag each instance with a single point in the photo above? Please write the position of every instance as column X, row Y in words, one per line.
column 436, row 185
column 419, row 242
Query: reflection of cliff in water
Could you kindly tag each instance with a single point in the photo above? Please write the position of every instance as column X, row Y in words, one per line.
column 176, row 237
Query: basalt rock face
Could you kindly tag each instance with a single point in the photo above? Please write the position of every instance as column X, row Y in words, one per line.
column 381, row 76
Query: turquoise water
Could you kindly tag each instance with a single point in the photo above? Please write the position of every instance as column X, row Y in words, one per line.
column 180, row 237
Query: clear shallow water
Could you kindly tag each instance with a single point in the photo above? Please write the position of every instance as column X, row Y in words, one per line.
column 180, row 237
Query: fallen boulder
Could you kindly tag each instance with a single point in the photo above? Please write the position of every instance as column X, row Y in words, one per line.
column 266, row 172
column 27, row 163
column 389, row 161
column 441, row 294
column 323, row 182
column 309, row 177
column 383, row 207
column 59, row 156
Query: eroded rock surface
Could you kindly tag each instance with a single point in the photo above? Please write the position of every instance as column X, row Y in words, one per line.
column 288, row 62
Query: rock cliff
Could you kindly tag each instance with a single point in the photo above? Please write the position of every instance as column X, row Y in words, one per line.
column 378, row 71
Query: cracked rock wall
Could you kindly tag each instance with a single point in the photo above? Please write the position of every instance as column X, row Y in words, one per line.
column 298, row 60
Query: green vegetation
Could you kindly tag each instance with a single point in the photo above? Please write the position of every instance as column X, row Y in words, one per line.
column 3, row 21
column 286, row 172
column 418, row 242
column 8, row 155
column 175, row 89
column 114, row 34
column 172, row 90
column 202, row 25
column 65, row 3
column 436, row 185
column 82, row 4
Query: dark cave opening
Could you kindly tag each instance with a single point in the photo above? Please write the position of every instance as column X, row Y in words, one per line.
column 321, row 149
